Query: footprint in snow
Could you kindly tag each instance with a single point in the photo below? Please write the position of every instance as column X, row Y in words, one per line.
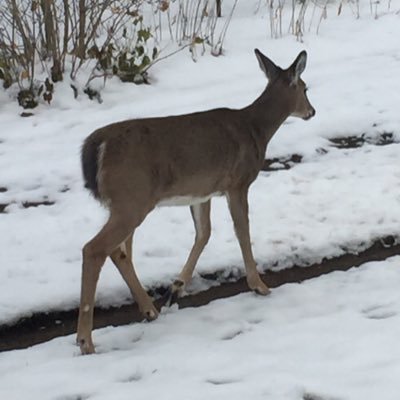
column 132, row 378
column 232, row 332
column 231, row 335
column 315, row 396
column 222, row 381
column 380, row 312
column 74, row 397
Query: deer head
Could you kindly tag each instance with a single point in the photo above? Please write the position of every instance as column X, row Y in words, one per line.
column 288, row 83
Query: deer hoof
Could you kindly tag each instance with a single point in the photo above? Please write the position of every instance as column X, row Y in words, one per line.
column 175, row 291
column 151, row 314
column 260, row 288
column 86, row 346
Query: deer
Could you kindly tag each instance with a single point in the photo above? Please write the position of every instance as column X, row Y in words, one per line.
column 133, row 166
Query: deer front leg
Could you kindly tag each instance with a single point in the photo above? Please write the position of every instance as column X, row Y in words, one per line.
column 122, row 258
column 201, row 218
column 239, row 208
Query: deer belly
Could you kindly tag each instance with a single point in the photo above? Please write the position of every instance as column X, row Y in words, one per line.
column 185, row 200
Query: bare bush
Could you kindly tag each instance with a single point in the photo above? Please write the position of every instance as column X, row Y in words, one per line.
column 196, row 23
column 42, row 40
column 300, row 16
column 38, row 37
column 301, row 12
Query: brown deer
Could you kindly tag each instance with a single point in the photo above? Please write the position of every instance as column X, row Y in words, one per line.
column 133, row 166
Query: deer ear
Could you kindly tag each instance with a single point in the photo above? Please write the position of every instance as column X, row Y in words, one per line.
column 298, row 66
column 270, row 69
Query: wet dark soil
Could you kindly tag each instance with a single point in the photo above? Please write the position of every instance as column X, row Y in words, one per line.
column 345, row 142
column 28, row 204
column 352, row 142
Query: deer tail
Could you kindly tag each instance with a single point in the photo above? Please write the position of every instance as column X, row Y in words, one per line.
column 91, row 153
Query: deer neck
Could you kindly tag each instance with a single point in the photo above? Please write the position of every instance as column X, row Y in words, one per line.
column 268, row 112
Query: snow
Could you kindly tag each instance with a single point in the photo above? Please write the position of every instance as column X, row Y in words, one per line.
column 331, row 338
column 320, row 208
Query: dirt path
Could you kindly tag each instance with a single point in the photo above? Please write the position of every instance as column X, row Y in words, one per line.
column 42, row 327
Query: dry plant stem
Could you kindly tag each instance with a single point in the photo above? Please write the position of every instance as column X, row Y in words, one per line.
column 219, row 8
column 80, row 51
column 292, row 21
column 57, row 46
column 221, row 39
column 171, row 34
column 178, row 22
column 210, row 28
column 312, row 16
column 275, row 18
column 95, row 21
column 280, row 17
column 355, row 11
column 23, row 29
column 323, row 15
column 32, row 72
column 66, row 31
column 300, row 20
column 258, row 7
column 156, row 24
column 271, row 17
column 52, row 38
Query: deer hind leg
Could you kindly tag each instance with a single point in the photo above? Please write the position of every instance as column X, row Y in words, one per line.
column 122, row 258
column 239, row 208
column 201, row 218
column 95, row 252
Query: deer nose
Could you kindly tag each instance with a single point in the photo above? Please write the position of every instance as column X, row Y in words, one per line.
column 312, row 112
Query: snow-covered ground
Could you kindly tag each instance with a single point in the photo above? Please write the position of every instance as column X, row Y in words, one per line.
column 331, row 338
column 316, row 209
